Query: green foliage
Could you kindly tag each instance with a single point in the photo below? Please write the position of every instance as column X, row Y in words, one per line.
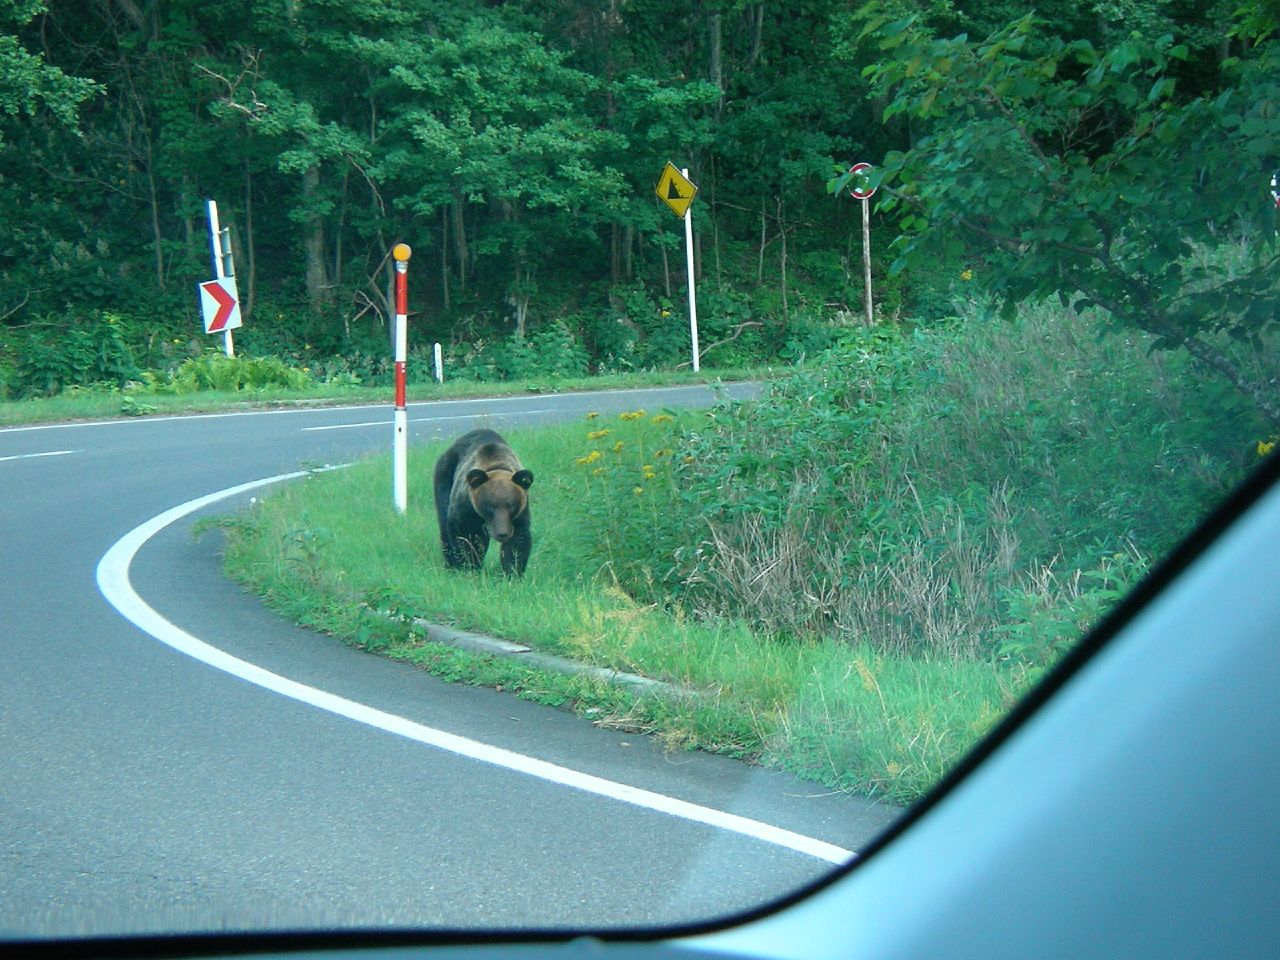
column 29, row 85
column 626, row 474
column 965, row 490
column 1043, row 619
column 216, row 371
column 53, row 357
column 1087, row 172
column 552, row 353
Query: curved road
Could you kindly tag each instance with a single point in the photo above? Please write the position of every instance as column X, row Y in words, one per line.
column 143, row 790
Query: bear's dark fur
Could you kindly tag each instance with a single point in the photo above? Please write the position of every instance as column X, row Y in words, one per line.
column 482, row 491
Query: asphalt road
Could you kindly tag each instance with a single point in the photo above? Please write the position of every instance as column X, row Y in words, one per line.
column 142, row 790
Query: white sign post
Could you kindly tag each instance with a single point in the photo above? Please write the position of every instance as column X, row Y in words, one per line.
column 219, row 299
column 865, row 194
column 677, row 191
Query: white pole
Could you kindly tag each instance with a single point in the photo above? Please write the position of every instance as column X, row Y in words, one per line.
column 219, row 271
column 400, row 441
column 866, row 257
column 439, row 364
column 693, row 302
column 400, row 474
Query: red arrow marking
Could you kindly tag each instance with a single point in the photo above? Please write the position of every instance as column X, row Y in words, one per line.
column 226, row 303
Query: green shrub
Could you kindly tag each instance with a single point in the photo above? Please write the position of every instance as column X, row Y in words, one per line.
column 550, row 353
column 215, row 371
column 628, row 478
column 963, row 490
column 56, row 355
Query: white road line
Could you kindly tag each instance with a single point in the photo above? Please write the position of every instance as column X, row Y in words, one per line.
column 28, row 456
column 387, row 421
column 113, row 581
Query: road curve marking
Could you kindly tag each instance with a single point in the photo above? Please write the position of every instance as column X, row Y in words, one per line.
column 29, row 456
column 113, row 582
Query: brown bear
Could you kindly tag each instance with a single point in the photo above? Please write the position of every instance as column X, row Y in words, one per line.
column 482, row 491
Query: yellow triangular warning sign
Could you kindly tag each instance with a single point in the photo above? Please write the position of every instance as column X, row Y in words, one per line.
column 675, row 190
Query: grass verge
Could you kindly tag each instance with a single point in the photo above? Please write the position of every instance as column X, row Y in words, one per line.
column 329, row 550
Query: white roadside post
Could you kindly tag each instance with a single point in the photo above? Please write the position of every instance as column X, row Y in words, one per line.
column 865, row 194
column 439, row 354
column 677, row 191
column 220, row 241
column 400, row 440
column 688, row 259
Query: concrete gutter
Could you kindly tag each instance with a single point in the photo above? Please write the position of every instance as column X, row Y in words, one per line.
column 479, row 643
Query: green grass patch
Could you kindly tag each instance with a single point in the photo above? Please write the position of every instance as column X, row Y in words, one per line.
column 858, row 574
column 327, row 550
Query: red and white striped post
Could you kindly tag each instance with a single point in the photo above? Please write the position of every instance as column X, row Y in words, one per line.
column 400, row 441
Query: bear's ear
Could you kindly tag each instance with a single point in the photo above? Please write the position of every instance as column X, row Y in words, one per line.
column 523, row 478
column 476, row 478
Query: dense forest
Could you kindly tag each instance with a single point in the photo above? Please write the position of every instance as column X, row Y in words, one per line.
column 1094, row 151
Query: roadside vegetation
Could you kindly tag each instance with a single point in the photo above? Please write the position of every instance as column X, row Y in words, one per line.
column 857, row 604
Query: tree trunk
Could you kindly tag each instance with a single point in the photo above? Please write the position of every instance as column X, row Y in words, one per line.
column 340, row 228
column 157, row 235
column 717, row 59
column 317, row 277
column 755, row 20
column 444, row 258
column 615, row 252
column 188, row 221
column 250, row 251
column 782, row 260
column 461, row 253
column 666, row 271
column 519, row 297
column 763, row 243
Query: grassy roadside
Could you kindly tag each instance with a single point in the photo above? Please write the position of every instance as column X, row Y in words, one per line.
column 104, row 404
column 327, row 550
column 858, row 574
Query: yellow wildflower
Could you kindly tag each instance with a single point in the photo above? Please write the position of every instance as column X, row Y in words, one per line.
column 637, row 490
column 590, row 458
column 633, row 415
column 662, row 453
column 597, row 434
column 617, row 447
column 966, row 274
column 593, row 414
column 647, row 472
column 662, row 418
column 1265, row 447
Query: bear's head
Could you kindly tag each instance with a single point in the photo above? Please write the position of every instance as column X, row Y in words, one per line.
column 499, row 497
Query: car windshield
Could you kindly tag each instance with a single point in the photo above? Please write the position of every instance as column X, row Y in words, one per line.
column 584, row 466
